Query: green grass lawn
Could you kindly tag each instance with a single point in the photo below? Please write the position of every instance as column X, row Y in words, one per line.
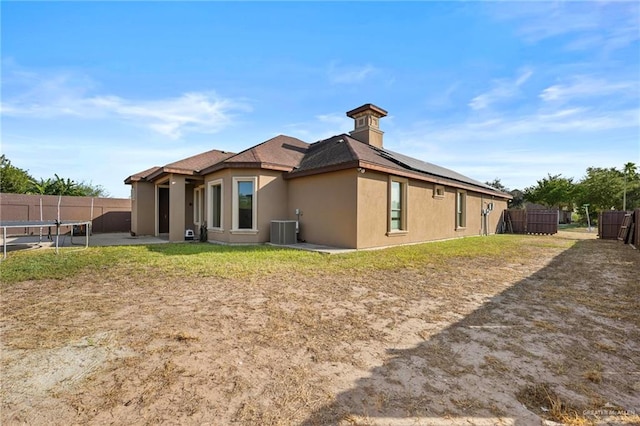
column 202, row 259
column 577, row 227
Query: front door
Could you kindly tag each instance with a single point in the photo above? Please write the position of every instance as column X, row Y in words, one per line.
column 163, row 210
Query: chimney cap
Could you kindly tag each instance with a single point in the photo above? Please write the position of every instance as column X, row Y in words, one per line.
column 379, row 112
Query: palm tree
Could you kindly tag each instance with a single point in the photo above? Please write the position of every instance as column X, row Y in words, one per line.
column 630, row 170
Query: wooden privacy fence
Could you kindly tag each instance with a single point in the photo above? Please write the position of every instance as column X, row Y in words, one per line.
column 609, row 224
column 531, row 221
column 620, row 225
column 105, row 214
column 636, row 233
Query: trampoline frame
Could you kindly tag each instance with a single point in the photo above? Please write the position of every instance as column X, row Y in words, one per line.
column 42, row 224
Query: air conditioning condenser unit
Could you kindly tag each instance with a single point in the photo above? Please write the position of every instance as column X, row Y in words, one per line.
column 283, row 232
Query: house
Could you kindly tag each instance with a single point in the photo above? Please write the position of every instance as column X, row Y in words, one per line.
column 344, row 191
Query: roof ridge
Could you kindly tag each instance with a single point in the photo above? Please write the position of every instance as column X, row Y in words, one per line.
column 254, row 147
column 351, row 150
column 198, row 155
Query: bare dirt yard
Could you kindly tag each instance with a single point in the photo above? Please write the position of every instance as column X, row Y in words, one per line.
column 550, row 334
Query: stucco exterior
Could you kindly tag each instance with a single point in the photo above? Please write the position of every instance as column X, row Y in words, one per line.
column 143, row 206
column 271, row 199
column 345, row 191
column 429, row 217
column 328, row 207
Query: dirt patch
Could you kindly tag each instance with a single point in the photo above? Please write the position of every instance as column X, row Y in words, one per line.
column 473, row 341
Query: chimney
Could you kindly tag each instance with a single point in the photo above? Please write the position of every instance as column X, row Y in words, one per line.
column 366, row 124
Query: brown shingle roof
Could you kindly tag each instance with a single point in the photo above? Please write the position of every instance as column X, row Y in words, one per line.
column 338, row 150
column 343, row 151
column 189, row 166
column 279, row 153
column 141, row 175
column 200, row 161
column 299, row 158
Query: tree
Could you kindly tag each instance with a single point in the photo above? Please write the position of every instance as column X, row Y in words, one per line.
column 518, row 199
column 630, row 171
column 497, row 185
column 601, row 188
column 61, row 186
column 17, row 181
column 90, row 190
column 517, row 202
column 13, row 180
column 552, row 191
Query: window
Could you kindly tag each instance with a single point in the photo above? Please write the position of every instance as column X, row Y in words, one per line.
column 215, row 204
column 438, row 191
column 461, row 209
column 198, row 205
column 397, row 205
column 245, row 204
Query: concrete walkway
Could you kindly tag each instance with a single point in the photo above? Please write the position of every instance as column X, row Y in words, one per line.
column 125, row 239
column 96, row 240
column 122, row 239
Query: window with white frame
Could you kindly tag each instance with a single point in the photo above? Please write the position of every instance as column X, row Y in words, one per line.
column 215, row 205
column 245, row 204
column 461, row 209
column 397, row 204
column 198, row 205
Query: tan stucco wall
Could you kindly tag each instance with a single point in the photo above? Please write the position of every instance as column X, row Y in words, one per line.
column 428, row 218
column 143, row 208
column 328, row 206
column 220, row 236
column 188, row 208
column 177, row 218
column 271, row 198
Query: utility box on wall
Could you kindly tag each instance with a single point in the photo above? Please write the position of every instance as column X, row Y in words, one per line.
column 283, row 232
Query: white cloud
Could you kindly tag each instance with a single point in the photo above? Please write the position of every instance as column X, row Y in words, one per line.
column 586, row 86
column 349, row 74
column 502, row 89
column 443, row 98
column 574, row 123
column 588, row 25
column 521, row 148
column 64, row 94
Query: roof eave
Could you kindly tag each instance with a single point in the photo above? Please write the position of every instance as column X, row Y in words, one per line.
column 170, row 170
column 246, row 165
column 398, row 172
column 433, row 179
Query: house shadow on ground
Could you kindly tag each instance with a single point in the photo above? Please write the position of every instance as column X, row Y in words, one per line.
column 564, row 341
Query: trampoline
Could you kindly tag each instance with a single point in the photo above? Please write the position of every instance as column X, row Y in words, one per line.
column 44, row 224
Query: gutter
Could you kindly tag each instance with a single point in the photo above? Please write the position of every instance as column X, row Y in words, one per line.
column 398, row 172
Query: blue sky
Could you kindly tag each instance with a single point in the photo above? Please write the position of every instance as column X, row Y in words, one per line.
column 98, row 91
